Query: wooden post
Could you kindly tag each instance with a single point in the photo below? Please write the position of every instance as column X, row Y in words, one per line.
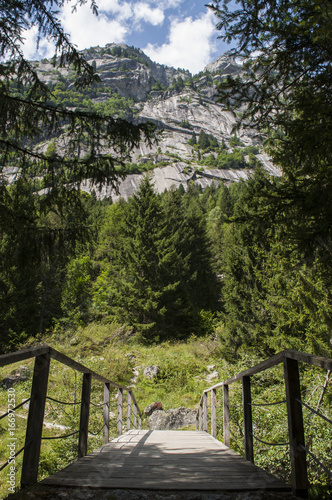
column 205, row 412
column 225, row 401
column 200, row 416
column 295, row 428
column 247, row 419
column 135, row 416
column 129, row 411
column 214, row 413
column 106, row 413
column 84, row 419
column 120, row 410
column 35, row 420
column 139, row 422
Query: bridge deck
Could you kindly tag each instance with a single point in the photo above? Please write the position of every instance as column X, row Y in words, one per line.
column 165, row 460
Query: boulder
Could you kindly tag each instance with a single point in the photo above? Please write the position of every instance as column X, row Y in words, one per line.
column 19, row 375
column 153, row 407
column 212, row 376
column 172, row 419
column 151, row 371
column 9, row 382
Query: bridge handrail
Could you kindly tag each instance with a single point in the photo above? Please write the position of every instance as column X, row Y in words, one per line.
column 290, row 359
column 43, row 354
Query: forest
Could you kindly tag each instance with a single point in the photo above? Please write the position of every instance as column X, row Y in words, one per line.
column 232, row 273
column 171, row 265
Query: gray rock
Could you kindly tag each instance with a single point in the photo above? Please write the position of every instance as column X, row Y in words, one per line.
column 172, row 419
column 170, row 110
column 151, row 371
column 212, row 376
column 19, row 375
column 9, row 382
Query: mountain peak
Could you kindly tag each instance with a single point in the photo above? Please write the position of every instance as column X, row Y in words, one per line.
column 225, row 64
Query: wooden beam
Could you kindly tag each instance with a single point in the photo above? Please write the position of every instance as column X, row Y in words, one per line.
column 310, row 359
column 214, row 413
column 106, row 413
column 205, row 412
column 62, row 358
column 247, row 419
column 129, row 411
column 135, row 416
column 15, row 357
column 120, row 411
column 295, row 428
column 35, row 420
column 135, row 402
column 226, row 415
column 200, row 416
column 84, row 420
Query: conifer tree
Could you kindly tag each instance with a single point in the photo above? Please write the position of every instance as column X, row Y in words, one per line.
column 285, row 93
column 143, row 278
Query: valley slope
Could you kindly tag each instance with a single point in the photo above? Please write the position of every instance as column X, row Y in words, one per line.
column 179, row 104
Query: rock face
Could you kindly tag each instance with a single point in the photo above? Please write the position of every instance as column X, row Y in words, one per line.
column 178, row 103
column 151, row 371
column 172, row 419
column 177, row 174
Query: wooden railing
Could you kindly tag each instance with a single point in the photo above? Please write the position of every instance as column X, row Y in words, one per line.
column 297, row 448
column 43, row 356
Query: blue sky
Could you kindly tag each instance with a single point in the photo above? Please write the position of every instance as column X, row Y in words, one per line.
column 178, row 33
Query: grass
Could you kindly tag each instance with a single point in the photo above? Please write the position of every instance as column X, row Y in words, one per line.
column 183, row 369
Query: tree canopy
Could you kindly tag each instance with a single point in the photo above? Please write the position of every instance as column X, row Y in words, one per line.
column 91, row 144
column 285, row 92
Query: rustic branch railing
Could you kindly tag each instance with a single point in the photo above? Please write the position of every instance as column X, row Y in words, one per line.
column 293, row 401
column 33, row 438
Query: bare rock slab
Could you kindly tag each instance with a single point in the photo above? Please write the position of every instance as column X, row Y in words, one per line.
column 172, row 419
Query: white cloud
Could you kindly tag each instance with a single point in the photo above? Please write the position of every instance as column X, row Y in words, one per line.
column 87, row 30
column 144, row 12
column 30, row 50
column 190, row 44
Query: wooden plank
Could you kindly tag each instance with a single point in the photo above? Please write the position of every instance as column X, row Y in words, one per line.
column 35, row 420
column 156, row 462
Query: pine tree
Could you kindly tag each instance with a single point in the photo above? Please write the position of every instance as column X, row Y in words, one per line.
column 203, row 140
column 286, row 90
column 143, row 258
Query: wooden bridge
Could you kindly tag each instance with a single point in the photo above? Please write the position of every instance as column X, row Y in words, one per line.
column 166, row 460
